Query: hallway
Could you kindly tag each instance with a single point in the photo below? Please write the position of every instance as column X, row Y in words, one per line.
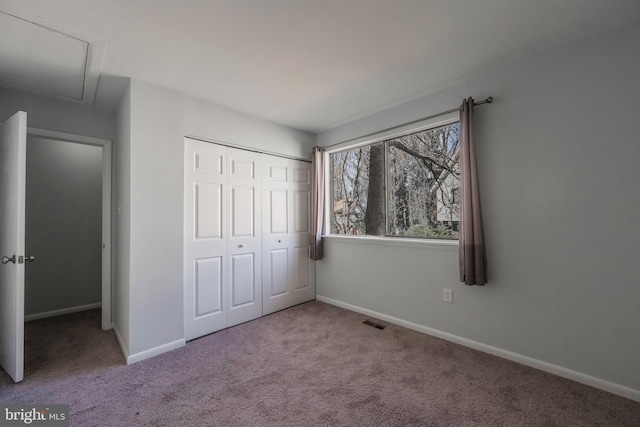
column 66, row 346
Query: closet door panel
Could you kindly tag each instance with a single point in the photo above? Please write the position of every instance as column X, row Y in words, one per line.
column 301, row 208
column 204, row 239
column 208, row 286
column 303, row 268
column 208, row 211
column 243, row 209
column 243, row 280
column 278, row 270
column 301, row 264
column 276, row 220
column 277, row 202
column 244, row 242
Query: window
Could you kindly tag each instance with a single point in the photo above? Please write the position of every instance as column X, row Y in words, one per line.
column 404, row 186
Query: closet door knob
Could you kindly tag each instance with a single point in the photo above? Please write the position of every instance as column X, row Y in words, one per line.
column 279, row 241
column 241, row 245
column 6, row 259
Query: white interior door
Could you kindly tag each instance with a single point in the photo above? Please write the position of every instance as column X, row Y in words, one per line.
column 288, row 272
column 13, row 160
column 303, row 268
column 223, row 233
column 244, row 247
column 205, row 232
column 277, row 281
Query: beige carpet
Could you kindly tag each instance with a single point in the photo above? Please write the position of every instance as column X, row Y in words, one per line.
column 311, row 365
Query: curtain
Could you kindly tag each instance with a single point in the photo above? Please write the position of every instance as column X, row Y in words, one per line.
column 473, row 264
column 317, row 203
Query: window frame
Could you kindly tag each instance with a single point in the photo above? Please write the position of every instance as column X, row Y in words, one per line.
column 371, row 139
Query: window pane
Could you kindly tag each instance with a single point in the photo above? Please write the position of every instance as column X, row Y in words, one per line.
column 358, row 191
column 423, row 178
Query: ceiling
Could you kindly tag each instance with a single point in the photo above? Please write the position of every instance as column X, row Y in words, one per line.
column 308, row 64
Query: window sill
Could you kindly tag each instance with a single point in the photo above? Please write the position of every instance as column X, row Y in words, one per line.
column 407, row 242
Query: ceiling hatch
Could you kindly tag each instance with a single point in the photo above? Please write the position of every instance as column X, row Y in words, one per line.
column 40, row 58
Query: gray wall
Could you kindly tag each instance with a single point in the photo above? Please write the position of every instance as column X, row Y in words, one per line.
column 558, row 155
column 152, row 124
column 52, row 114
column 63, row 225
column 121, row 219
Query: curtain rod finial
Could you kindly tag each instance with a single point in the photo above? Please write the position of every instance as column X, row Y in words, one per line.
column 490, row 99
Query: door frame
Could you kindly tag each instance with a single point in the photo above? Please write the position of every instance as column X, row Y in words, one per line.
column 106, row 145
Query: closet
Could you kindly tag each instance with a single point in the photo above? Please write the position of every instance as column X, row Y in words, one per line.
column 246, row 236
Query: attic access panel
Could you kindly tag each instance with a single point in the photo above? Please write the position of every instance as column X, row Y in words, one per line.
column 42, row 59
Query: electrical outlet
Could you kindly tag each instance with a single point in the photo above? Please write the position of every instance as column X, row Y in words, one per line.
column 447, row 295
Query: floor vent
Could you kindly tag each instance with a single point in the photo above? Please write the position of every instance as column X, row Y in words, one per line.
column 374, row 324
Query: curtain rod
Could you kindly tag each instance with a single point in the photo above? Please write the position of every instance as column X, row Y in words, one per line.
column 489, row 100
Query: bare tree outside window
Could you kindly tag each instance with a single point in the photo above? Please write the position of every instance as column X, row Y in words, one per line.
column 405, row 186
column 350, row 186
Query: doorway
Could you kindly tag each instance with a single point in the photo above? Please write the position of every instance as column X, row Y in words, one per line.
column 68, row 219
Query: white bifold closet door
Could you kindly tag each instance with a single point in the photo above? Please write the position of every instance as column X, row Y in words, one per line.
column 223, row 265
column 288, row 272
column 246, row 229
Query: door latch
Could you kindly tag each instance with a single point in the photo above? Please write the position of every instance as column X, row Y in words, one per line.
column 21, row 259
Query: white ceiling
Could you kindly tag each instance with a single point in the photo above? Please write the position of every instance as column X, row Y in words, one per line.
column 55, row 63
column 315, row 64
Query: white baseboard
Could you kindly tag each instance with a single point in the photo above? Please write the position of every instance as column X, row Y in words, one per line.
column 123, row 347
column 137, row 357
column 62, row 311
column 601, row 384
